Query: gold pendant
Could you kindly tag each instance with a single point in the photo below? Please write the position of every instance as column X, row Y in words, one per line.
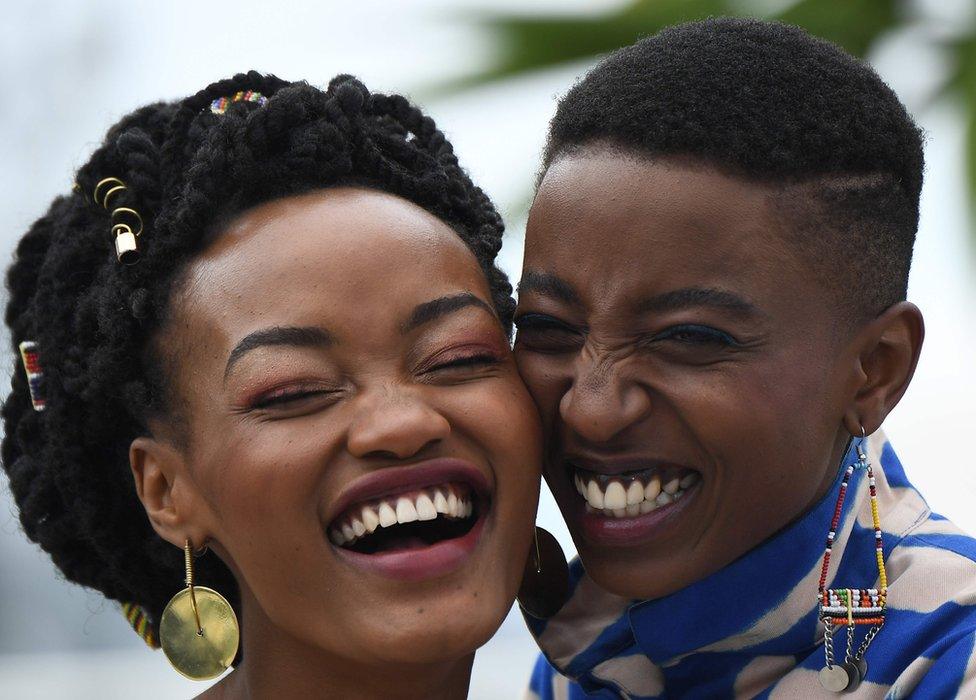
column 199, row 633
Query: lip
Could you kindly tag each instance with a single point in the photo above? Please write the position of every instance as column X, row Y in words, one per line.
column 419, row 564
column 639, row 530
column 611, row 466
column 395, row 480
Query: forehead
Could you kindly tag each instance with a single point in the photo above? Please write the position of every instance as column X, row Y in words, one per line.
column 338, row 256
column 615, row 224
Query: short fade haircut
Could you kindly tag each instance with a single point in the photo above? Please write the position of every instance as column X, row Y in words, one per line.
column 770, row 103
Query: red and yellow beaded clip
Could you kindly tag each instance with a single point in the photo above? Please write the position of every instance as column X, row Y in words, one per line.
column 220, row 105
column 35, row 376
column 139, row 619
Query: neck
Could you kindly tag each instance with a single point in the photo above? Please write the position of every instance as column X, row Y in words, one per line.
column 276, row 664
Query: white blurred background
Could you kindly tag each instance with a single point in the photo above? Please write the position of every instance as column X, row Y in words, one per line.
column 70, row 69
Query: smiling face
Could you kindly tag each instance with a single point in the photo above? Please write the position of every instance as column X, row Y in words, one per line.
column 361, row 451
column 690, row 371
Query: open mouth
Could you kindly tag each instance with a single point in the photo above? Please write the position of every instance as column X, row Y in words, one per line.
column 410, row 520
column 414, row 522
column 633, row 493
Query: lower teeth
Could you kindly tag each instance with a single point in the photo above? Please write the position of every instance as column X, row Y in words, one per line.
column 415, row 535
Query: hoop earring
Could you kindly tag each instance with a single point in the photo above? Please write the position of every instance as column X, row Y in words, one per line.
column 851, row 607
column 545, row 582
column 198, row 630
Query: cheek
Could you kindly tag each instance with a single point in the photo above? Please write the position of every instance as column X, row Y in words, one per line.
column 754, row 422
column 256, row 474
column 547, row 379
column 501, row 419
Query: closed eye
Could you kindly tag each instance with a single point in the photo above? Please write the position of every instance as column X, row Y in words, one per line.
column 478, row 360
column 288, row 398
column 694, row 334
column 546, row 334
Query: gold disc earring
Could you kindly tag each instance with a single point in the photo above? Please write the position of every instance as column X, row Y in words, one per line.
column 198, row 629
column 545, row 581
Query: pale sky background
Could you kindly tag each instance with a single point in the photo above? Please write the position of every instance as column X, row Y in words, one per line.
column 70, row 69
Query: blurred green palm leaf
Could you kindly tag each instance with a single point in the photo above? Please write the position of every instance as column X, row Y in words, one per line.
column 529, row 43
column 533, row 42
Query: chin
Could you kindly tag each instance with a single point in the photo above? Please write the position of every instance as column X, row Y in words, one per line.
column 637, row 575
column 440, row 634
column 640, row 582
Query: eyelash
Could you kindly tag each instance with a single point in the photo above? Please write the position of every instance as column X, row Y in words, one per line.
column 700, row 335
column 283, row 397
column 473, row 360
column 542, row 321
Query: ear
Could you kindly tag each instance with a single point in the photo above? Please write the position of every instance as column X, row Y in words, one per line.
column 167, row 492
column 887, row 351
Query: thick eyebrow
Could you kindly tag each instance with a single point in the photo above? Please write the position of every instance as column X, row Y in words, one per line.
column 548, row 285
column 696, row 296
column 293, row 336
column 434, row 309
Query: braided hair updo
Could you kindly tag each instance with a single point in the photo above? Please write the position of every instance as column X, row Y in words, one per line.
column 186, row 171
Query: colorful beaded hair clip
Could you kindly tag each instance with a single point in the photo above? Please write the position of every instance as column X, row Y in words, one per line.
column 35, row 377
column 139, row 619
column 220, row 105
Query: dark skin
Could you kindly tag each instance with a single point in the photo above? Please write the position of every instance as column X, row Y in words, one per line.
column 663, row 315
column 277, row 428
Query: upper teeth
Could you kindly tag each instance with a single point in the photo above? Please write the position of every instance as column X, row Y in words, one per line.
column 399, row 510
column 634, row 496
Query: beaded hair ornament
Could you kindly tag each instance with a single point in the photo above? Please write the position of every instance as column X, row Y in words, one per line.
column 851, row 607
column 35, row 376
column 220, row 105
column 139, row 619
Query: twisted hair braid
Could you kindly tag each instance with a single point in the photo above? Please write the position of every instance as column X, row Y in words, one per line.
column 187, row 170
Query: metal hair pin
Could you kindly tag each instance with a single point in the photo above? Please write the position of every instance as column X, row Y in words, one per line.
column 126, row 222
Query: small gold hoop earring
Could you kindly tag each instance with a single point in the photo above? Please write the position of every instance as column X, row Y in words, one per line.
column 198, row 629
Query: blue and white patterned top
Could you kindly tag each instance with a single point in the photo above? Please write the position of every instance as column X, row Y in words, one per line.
column 752, row 629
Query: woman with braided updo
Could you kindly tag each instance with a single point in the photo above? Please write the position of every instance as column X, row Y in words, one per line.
column 268, row 323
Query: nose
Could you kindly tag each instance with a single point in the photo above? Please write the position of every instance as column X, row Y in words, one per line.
column 394, row 423
column 600, row 403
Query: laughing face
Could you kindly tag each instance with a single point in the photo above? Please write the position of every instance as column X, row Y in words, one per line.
column 685, row 363
column 359, row 447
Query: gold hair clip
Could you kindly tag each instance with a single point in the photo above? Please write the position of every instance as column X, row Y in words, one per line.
column 126, row 222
